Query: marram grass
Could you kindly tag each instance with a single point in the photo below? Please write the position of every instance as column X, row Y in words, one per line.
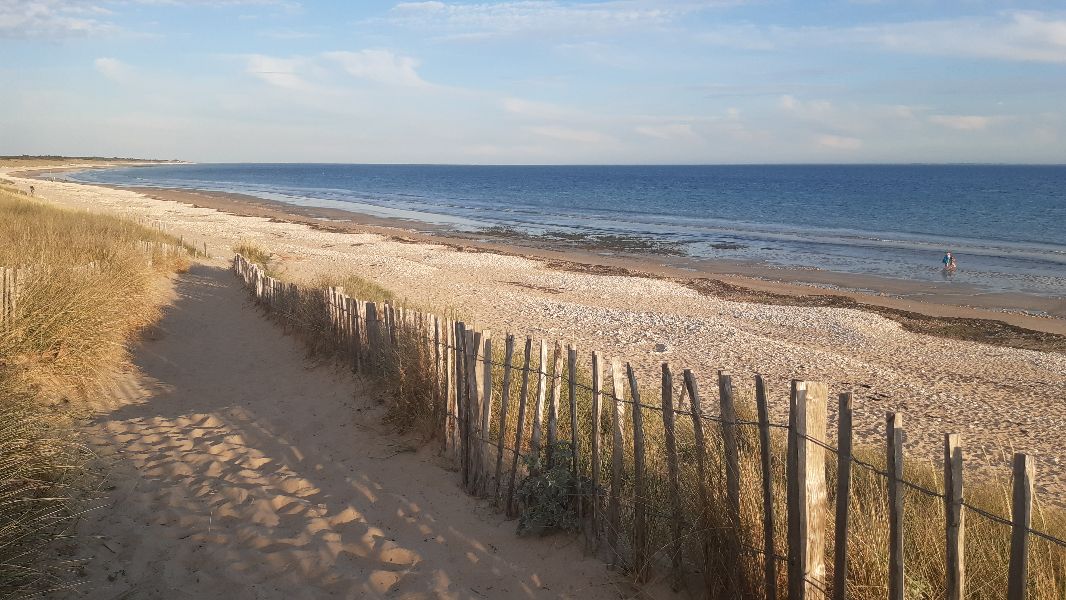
column 86, row 287
column 408, row 379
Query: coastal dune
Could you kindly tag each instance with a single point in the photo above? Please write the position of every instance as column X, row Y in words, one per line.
column 1000, row 398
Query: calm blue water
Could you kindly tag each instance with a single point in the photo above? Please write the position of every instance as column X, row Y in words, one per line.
column 1006, row 224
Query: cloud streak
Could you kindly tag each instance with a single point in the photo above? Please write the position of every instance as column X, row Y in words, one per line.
column 52, row 19
column 380, row 66
column 481, row 21
column 1012, row 36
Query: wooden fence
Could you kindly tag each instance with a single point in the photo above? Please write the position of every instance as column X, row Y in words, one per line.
column 659, row 490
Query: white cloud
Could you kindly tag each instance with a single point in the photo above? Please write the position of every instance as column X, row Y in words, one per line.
column 280, row 72
column 472, row 21
column 963, row 122
column 113, row 69
column 671, row 131
column 1010, row 35
column 381, row 66
column 58, row 19
column 567, row 134
column 538, row 110
column 52, row 19
column 838, row 142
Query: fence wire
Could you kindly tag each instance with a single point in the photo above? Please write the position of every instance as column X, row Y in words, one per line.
column 364, row 324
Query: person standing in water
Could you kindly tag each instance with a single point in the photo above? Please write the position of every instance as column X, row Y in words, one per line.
column 948, row 261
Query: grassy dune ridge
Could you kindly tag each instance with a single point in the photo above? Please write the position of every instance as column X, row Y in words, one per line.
column 87, row 286
column 408, row 381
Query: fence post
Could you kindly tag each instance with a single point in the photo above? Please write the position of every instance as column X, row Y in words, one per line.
column 732, row 455
column 732, row 466
column 696, row 409
column 614, row 517
column 505, row 402
column 1021, row 520
column 357, row 332
column 461, row 398
column 520, row 427
column 575, row 447
column 538, row 411
column 770, row 564
column 470, row 412
column 670, row 431
column 475, row 381
column 840, row 546
column 372, row 336
column 640, row 519
column 956, row 518
column 450, row 410
column 486, row 410
column 896, row 576
column 597, row 383
column 553, row 405
column 807, row 554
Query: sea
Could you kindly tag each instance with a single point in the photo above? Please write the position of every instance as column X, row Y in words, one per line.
column 1005, row 224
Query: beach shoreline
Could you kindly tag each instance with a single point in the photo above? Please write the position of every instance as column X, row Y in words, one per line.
column 727, row 278
column 1003, row 393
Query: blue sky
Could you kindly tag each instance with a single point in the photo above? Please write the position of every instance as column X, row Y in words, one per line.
column 536, row 81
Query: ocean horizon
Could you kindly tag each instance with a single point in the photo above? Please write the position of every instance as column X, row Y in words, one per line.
column 1003, row 222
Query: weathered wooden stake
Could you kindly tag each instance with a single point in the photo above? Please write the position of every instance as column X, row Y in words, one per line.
column 840, row 547
column 471, row 339
column 614, row 519
column 794, row 508
column 486, row 410
column 553, row 405
column 896, row 576
column 729, row 443
column 538, row 413
column 955, row 517
column 505, row 405
column 520, row 427
column 372, row 337
column 575, row 438
column 670, row 431
column 703, row 516
column 1021, row 519
column 769, row 564
column 640, row 509
column 451, row 408
column 597, row 374
column 807, row 569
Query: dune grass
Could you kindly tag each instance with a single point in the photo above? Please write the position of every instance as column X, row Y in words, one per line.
column 86, row 287
column 255, row 253
column 411, row 384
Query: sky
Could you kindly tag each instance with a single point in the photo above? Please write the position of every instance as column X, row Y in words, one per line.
column 536, row 81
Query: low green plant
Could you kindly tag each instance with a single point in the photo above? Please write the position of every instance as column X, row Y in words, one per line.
column 547, row 494
column 356, row 286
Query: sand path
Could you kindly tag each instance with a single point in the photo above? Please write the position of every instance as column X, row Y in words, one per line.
column 239, row 470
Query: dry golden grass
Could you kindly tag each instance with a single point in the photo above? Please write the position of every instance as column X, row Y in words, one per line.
column 86, row 288
column 409, row 376
column 256, row 254
column 355, row 286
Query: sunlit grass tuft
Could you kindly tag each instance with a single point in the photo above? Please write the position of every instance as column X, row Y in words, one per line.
column 86, row 286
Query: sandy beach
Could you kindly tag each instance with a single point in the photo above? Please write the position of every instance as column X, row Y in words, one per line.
column 1001, row 398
